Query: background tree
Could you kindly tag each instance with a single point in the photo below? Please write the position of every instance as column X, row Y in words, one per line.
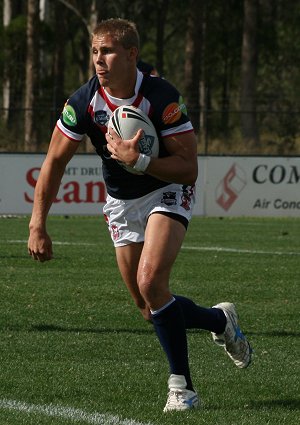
column 162, row 12
column 59, row 46
column 193, row 55
column 201, row 57
column 248, row 74
column 32, row 76
column 7, row 14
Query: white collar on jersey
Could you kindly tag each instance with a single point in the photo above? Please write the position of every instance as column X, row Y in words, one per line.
column 120, row 102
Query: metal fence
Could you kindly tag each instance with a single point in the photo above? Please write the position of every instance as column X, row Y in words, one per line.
column 220, row 131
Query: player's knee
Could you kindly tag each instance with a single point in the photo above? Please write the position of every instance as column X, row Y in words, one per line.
column 148, row 289
column 154, row 293
column 153, row 283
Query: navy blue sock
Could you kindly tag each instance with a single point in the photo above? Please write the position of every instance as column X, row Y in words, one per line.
column 170, row 329
column 196, row 317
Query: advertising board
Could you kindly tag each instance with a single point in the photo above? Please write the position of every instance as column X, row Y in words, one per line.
column 226, row 186
column 81, row 192
column 252, row 186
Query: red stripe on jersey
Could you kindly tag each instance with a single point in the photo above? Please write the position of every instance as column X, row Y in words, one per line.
column 111, row 106
column 138, row 100
column 91, row 111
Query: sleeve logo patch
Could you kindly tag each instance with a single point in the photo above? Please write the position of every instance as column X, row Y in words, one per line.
column 173, row 111
column 69, row 115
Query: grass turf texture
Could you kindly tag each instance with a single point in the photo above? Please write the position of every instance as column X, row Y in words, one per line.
column 70, row 335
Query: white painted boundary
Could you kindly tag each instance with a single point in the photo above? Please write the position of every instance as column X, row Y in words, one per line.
column 194, row 248
column 65, row 412
column 239, row 251
column 16, row 241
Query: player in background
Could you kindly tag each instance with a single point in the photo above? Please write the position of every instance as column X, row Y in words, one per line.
column 147, row 68
column 147, row 214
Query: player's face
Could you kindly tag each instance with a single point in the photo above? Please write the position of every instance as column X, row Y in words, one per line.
column 115, row 66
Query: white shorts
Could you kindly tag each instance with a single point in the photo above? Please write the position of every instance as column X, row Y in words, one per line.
column 127, row 218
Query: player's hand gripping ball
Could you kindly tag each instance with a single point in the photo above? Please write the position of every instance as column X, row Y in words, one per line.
column 126, row 121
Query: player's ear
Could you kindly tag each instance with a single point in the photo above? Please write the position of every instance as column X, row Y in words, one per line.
column 133, row 53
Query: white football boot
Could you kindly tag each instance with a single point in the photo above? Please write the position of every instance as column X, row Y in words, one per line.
column 179, row 398
column 233, row 340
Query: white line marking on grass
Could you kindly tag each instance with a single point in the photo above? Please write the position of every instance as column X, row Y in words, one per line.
column 65, row 412
column 54, row 243
column 195, row 248
column 239, row 251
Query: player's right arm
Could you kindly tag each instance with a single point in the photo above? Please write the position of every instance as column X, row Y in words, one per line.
column 61, row 150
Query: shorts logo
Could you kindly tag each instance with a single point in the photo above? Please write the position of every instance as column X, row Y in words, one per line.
column 173, row 111
column 101, row 118
column 114, row 232
column 169, row 198
column 186, row 197
column 230, row 186
column 69, row 116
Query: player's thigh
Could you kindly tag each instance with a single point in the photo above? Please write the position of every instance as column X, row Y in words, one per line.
column 163, row 240
column 128, row 257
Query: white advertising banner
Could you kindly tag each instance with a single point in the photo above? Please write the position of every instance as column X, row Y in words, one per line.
column 226, row 186
column 82, row 190
column 252, row 186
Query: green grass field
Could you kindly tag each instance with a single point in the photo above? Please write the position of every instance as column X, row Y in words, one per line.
column 74, row 349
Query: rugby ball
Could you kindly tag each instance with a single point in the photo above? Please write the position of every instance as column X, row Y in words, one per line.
column 126, row 121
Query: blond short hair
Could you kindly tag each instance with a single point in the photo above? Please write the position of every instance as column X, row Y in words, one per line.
column 121, row 30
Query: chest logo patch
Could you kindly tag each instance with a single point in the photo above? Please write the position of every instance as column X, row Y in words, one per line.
column 101, row 118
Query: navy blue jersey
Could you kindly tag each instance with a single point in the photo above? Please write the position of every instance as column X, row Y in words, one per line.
column 88, row 110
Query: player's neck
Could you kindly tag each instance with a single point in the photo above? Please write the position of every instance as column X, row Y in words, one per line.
column 124, row 90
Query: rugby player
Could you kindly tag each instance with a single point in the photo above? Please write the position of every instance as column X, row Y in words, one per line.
column 148, row 214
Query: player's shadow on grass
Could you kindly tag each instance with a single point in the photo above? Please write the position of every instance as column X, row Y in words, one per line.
column 43, row 327
column 290, row 404
column 274, row 333
column 57, row 328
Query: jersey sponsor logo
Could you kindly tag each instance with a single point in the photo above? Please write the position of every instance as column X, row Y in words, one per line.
column 173, row 111
column 101, row 118
column 69, row 115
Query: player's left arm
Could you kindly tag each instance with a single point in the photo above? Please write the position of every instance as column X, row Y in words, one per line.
column 182, row 165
